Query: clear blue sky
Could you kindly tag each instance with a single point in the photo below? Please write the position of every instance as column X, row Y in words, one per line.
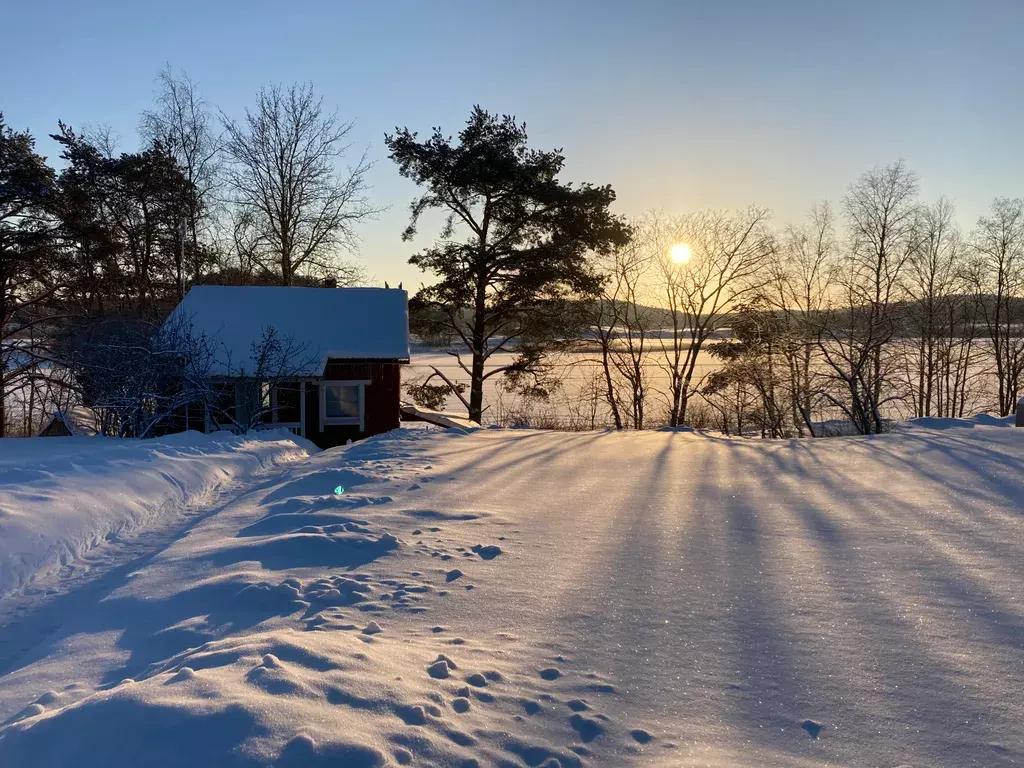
column 677, row 104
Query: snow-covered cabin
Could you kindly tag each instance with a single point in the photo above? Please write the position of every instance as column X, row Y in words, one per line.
column 347, row 346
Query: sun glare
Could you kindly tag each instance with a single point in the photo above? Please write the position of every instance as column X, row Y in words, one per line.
column 680, row 253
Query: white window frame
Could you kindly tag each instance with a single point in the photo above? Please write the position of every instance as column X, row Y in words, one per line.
column 362, row 384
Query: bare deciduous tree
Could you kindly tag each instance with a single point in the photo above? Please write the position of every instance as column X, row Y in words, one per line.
column 302, row 209
column 729, row 251
column 136, row 373
column 939, row 323
column 799, row 292
column 882, row 216
column 624, row 324
column 183, row 125
column 998, row 275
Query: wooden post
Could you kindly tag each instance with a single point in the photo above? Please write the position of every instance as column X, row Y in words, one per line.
column 1019, row 421
column 302, row 407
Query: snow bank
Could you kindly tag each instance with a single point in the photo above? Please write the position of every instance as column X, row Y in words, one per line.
column 61, row 497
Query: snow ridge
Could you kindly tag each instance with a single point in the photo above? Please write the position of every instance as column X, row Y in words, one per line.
column 61, row 498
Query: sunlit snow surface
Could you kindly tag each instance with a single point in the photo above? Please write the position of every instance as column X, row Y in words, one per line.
column 519, row 598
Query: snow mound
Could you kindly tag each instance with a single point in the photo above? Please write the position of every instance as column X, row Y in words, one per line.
column 60, row 498
column 980, row 420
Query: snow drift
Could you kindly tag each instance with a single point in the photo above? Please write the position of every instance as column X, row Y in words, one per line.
column 62, row 497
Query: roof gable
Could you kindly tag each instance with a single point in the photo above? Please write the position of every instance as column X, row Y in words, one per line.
column 346, row 323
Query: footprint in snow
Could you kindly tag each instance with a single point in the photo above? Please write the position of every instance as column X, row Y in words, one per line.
column 183, row 674
column 550, row 673
column 488, row 552
column 641, row 736
column 412, row 715
column 587, row 728
column 812, row 728
column 441, row 667
column 439, row 670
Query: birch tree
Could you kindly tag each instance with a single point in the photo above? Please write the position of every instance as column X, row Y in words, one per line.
column 998, row 245
column 882, row 217
column 623, row 324
column 302, row 209
column 183, row 124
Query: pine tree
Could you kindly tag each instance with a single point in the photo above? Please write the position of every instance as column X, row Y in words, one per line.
column 512, row 256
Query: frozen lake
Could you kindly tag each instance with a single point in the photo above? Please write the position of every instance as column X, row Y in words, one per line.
column 578, row 394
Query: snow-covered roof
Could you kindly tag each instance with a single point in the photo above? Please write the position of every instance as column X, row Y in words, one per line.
column 80, row 421
column 345, row 323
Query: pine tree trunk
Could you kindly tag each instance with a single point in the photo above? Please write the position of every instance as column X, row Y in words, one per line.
column 476, row 386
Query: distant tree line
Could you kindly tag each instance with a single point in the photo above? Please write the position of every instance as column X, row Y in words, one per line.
column 882, row 310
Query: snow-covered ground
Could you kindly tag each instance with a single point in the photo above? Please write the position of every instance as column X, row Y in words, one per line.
column 556, row 599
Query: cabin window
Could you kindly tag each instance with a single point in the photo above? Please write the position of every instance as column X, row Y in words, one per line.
column 343, row 402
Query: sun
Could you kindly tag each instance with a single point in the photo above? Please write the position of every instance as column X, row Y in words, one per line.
column 680, row 253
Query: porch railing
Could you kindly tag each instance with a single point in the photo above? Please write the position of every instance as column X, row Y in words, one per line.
column 295, row 427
